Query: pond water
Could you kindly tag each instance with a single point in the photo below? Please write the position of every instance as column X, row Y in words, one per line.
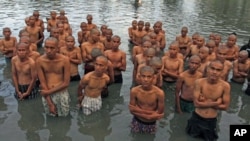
column 25, row 120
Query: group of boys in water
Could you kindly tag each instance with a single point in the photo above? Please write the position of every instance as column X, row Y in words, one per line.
column 202, row 89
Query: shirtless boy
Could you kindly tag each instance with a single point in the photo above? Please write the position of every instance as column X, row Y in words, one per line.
column 147, row 27
column 203, row 54
column 172, row 65
column 132, row 29
column 211, row 46
column 90, row 25
column 24, row 73
column 107, row 42
column 55, row 33
column 36, row 32
column 26, row 39
column 96, row 52
column 233, row 49
column 155, row 43
column 83, row 35
column 86, row 48
column 54, row 75
column 241, row 67
column 146, row 103
column 31, row 53
column 211, row 94
column 93, row 84
column 8, row 44
column 193, row 44
column 62, row 16
column 140, row 49
column 184, row 41
column 62, row 33
column 160, row 37
column 52, row 21
column 74, row 55
column 150, row 53
column 156, row 64
column 103, row 32
column 138, row 35
column 185, row 86
column 194, row 50
column 39, row 23
column 221, row 55
column 217, row 40
column 117, row 58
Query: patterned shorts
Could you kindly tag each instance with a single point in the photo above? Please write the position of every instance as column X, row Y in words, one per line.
column 23, row 88
column 138, row 126
column 90, row 105
column 61, row 100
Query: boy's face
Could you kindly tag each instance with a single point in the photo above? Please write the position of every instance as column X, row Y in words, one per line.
column 22, row 51
column 32, row 20
column 157, row 68
column 36, row 15
column 55, row 33
column 211, row 37
column 100, row 66
column 95, row 36
column 70, row 42
column 146, row 78
column 62, row 13
column 215, row 70
column 83, row 27
column 157, row 28
column 210, row 47
column 147, row 26
column 103, row 29
column 53, row 15
column 115, row 43
column 242, row 58
column 145, row 46
column 221, row 54
column 61, row 28
column 217, row 39
column 153, row 39
column 50, row 48
column 173, row 50
column 194, row 39
column 7, row 33
column 231, row 41
column 134, row 24
column 202, row 54
column 108, row 34
column 89, row 19
column 184, row 32
column 200, row 42
column 149, row 56
column 194, row 64
column 140, row 26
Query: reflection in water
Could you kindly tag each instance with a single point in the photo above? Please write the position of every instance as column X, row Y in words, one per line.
column 58, row 128
column 97, row 124
column 30, row 122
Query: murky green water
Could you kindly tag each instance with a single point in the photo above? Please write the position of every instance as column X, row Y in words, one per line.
column 25, row 120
